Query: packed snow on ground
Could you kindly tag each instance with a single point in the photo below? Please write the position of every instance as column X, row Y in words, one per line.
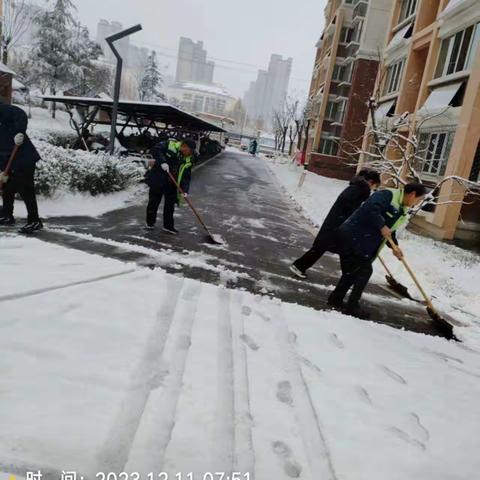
column 450, row 274
column 109, row 367
column 69, row 204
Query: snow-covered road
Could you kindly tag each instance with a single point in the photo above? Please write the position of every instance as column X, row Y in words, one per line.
column 106, row 366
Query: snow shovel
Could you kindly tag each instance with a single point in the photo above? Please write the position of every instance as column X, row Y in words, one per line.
column 443, row 325
column 6, row 172
column 397, row 287
column 216, row 239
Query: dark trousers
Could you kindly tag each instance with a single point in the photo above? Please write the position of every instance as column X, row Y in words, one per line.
column 154, row 200
column 323, row 243
column 24, row 185
column 356, row 273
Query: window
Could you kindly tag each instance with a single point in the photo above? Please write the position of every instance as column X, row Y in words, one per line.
column 331, row 110
column 342, row 73
column 340, row 113
column 407, row 9
column 357, row 32
column 393, row 77
column 458, row 51
column 346, row 34
column 444, row 96
column 328, row 146
column 434, row 148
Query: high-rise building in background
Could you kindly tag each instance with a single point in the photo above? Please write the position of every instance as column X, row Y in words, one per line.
column 269, row 91
column 192, row 63
column 431, row 72
column 345, row 69
column 105, row 29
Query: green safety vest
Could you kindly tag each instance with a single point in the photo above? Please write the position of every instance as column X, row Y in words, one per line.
column 397, row 202
column 174, row 146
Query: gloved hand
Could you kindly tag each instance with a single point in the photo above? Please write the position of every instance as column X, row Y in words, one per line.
column 165, row 167
column 19, row 138
column 3, row 178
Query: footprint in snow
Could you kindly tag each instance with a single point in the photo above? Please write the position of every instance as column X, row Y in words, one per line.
column 284, row 392
column 443, row 356
column 394, row 375
column 336, row 341
column 407, row 438
column 249, row 342
column 290, row 466
column 310, row 364
column 363, row 394
column 418, row 424
column 246, row 310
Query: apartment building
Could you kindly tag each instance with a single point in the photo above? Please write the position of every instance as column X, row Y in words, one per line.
column 346, row 64
column 431, row 69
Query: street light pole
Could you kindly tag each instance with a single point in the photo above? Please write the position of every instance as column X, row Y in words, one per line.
column 118, row 79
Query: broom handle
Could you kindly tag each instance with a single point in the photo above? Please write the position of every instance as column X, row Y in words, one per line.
column 8, row 167
column 385, row 266
column 199, row 218
column 414, row 277
column 15, row 150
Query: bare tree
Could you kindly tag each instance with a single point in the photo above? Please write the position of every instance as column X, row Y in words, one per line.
column 17, row 19
column 283, row 118
column 402, row 136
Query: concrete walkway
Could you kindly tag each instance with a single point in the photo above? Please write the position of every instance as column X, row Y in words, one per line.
column 242, row 201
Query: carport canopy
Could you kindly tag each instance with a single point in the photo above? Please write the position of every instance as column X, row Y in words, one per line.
column 136, row 113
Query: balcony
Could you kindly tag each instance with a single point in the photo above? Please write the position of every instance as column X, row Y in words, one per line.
column 351, row 50
column 360, row 9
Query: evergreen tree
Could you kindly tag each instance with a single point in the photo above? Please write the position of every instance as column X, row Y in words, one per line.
column 52, row 56
column 151, row 80
column 84, row 52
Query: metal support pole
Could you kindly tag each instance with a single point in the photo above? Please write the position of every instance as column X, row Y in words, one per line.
column 118, row 79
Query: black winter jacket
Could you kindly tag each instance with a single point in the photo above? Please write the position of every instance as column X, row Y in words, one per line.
column 361, row 232
column 347, row 202
column 168, row 152
column 14, row 120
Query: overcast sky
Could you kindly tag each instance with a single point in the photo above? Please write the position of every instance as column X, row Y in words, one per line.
column 239, row 36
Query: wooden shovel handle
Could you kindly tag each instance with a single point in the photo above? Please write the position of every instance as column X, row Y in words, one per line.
column 414, row 277
column 185, row 197
column 8, row 167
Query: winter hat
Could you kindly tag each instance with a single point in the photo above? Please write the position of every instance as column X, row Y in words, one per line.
column 190, row 144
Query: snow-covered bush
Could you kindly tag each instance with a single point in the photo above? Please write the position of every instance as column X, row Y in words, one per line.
column 79, row 171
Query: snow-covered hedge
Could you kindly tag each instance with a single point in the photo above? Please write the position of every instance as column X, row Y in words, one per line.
column 78, row 171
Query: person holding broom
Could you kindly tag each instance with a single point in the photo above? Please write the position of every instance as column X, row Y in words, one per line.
column 170, row 158
column 20, row 175
column 363, row 236
column 358, row 190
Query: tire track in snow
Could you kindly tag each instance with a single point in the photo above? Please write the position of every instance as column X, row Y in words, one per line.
column 159, row 433
column 39, row 291
column 244, row 458
column 146, row 376
column 316, row 448
column 224, row 429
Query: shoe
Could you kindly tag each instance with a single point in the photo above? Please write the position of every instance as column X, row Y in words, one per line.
column 297, row 272
column 149, row 227
column 171, row 231
column 335, row 303
column 7, row 221
column 31, row 227
column 357, row 311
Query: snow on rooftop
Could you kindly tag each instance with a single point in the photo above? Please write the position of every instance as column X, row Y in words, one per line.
column 5, row 69
column 214, row 89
